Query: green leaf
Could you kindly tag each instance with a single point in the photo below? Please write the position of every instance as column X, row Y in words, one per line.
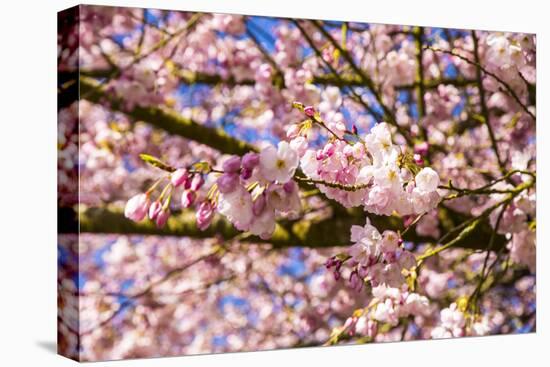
column 344, row 35
column 305, row 126
column 298, row 105
column 202, row 167
column 343, row 256
column 155, row 162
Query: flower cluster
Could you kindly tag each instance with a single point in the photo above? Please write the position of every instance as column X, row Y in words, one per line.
column 518, row 222
column 249, row 191
column 158, row 210
column 375, row 172
column 394, row 303
column 388, row 306
column 452, row 322
column 377, row 257
column 254, row 190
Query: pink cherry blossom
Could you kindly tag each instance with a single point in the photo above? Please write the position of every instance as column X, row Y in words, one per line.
column 137, row 207
column 278, row 164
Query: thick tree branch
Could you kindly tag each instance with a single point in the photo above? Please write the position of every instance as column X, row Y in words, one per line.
column 312, row 233
column 189, row 77
column 420, row 88
column 171, row 122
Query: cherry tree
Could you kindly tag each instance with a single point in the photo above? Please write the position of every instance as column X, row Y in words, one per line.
column 238, row 183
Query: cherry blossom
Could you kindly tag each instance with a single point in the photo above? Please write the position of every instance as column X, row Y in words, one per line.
column 216, row 162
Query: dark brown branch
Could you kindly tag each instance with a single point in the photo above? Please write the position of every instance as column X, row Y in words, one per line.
column 340, row 80
column 483, row 104
column 506, row 86
column 368, row 82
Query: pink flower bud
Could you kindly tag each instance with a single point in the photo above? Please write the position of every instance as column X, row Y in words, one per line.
column 422, row 148
column 162, row 218
column 232, row 164
column 290, row 187
column 309, row 111
column 136, row 208
column 250, row 160
column 418, row 159
column 228, row 182
column 196, row 182
column 354, row 129
column 246, row 173
column 187, row 198
column 320, row 155
column 329, row 150
column 204, row 215
column 179, row 177
column 355, row 281
column 155, row 209
column 258, row 205
column 407, row 220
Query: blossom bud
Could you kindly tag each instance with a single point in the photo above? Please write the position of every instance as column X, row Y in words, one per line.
column 309, row 111
column 422, row 148
column 289, row 187
column 250, row 160
column 137, row 207
column 258, row 205
column 246, row 173
column 331, row 261
column 196, row 182
column 204, row 215
column 232, row 164
column 334, row 262
column 355, row 281
column 187, row 198
column 418, row 159
column 162, row 218
column 155, row 209
column 179, row 177
column 354, row 129
column 227, row 182
column 329, row 150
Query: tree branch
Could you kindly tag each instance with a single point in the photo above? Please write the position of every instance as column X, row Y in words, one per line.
column 311, row 233
column 171, row 122
column 483, row 104
column 189, row 77
column 506, row 86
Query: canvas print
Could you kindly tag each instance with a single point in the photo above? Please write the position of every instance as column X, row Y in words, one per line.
column 232, row 183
